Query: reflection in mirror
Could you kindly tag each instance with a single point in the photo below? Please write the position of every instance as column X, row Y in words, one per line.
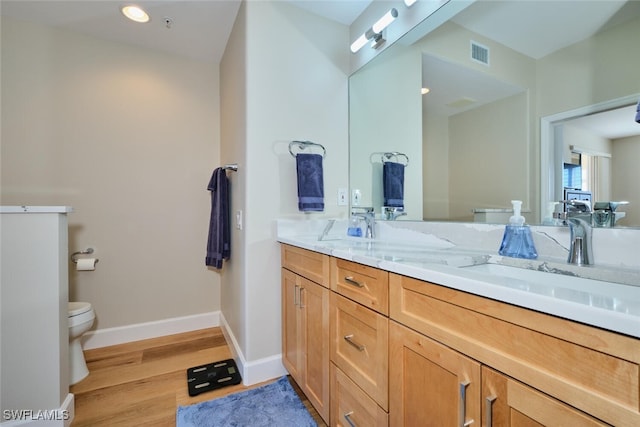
column 493, row 71
column 593, row 152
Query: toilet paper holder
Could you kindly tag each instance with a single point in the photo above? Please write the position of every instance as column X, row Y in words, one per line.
column 87, row 251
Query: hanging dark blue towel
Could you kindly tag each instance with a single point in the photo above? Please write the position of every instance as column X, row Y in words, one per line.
column 393, row 184
column 219, row 243
column 638, row 113
column 310, row 182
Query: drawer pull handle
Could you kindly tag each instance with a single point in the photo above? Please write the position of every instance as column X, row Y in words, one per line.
column 489, row 410
column 296, row 295
column 350, row 280
column 462, row 414
column 349, row 339
column 300, row 298
column 347, row 417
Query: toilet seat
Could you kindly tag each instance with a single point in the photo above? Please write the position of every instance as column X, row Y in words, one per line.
column 77, row 308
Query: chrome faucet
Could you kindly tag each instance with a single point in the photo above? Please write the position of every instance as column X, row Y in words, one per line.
column 392, row 213
column 579, row 218
column 366, row 213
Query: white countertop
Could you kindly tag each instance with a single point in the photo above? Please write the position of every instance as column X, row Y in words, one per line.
column 36, row 209
column 535, row 285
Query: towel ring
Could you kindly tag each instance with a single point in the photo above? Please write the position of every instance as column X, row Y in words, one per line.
column 302, row 145
column 388, row 156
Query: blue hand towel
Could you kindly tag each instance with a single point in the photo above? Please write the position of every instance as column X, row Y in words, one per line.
column 638, row 113
column 310, row 182
column 219, row 242
column 393, row 184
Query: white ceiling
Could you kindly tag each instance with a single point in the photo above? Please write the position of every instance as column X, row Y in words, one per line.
column 200, row 28
column 612, row 124
column 517, row 25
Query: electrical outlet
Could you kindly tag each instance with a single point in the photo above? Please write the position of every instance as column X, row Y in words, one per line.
column 355, row 197
column 342, row 197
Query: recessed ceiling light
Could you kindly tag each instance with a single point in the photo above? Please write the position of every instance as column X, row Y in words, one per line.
column 135, row 13
column 424, row 90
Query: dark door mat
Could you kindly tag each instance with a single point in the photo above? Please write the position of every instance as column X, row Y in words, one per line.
column 212, row 376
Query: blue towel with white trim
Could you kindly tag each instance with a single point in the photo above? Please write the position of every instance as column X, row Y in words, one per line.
column 393, row 184
column 310, row 182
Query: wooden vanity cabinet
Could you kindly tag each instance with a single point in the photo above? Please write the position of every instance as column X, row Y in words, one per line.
column 381, row 349
column 305, row 323
column 541, row 368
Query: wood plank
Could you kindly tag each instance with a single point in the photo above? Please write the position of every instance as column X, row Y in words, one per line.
column 142, row 383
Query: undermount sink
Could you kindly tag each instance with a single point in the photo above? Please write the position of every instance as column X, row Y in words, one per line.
column 587, row 291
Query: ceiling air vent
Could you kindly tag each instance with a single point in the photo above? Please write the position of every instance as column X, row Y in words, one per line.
column 479, row 53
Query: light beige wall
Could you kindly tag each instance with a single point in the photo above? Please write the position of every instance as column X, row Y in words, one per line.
column 583, row 139
column 297, row 86
column 385, row 116
column 496, row 152
column 233, row 149
column 293, row 86
column 626, row 175
column 591, row 71
column 464, row 162
column 129, row 138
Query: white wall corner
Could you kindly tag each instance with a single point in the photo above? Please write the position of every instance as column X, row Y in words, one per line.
column 256, row 371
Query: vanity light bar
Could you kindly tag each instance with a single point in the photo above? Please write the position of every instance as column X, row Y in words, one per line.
column 375, row 30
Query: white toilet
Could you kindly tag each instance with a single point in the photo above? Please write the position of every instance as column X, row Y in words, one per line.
column 81, row 316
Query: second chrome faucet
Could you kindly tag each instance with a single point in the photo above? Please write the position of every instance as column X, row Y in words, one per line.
column 578, row 216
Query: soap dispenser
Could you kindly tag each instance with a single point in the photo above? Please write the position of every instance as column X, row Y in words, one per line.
column 517, row 241
column 354, row 227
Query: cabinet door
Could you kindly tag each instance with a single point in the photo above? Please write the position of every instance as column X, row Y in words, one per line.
column 509, row 403
column 314, row 308
column 430, row 384
column 291, row 329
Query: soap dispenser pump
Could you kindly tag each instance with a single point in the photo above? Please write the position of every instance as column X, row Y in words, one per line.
column 517, row 241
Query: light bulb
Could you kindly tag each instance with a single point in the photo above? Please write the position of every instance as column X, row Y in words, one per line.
column 135, row 13
column 357, row 45
column 385, row 21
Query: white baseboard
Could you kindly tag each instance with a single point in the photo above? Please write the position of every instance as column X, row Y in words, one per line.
column 59, row 417
column 141, row 331
column 252, row 372
column 255, row 371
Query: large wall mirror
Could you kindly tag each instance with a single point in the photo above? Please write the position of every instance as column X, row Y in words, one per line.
column 494, row 72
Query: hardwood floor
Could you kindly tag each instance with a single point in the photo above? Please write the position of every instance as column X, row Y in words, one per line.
column 142, row 383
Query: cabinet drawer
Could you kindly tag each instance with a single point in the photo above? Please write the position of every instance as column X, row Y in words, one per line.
column 359, row 346
column 367, row 285
column 351, row 406
column 594, row 370
column 311, row 265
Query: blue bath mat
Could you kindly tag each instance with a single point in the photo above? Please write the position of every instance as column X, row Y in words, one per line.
column 275, row 404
